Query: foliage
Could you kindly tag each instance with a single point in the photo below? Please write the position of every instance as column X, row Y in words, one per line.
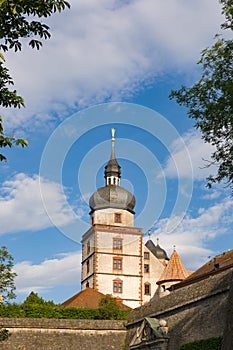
column 7, row 286
column 21, row 20
column 210, row 101
column 36, row 307
column 204, row 344
column 109, row 309
column 34, row 299
column 4, row 333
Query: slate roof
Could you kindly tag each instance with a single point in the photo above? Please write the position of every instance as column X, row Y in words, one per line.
column 112, row 196
column 174, row 271
column 156, row 250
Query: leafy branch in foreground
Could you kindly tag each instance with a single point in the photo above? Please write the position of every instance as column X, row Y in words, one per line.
column 210, row 101
column 21, row 19
column 7, row 276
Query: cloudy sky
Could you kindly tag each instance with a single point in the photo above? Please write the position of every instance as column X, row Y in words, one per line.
column 109, row 64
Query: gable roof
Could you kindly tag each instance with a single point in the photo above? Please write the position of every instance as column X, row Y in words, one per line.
column 174, row 271
column 89, row 298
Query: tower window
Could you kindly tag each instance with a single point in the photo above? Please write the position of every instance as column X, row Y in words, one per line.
column 88, row 247
column 117, row 264
column 146, row 255
column 117, row 243
column 146, row 268
column 147, row 288
column 117, row 286
column 88, row 266
column 118, row 218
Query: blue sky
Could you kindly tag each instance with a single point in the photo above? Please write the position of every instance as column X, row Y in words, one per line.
column 109, row 64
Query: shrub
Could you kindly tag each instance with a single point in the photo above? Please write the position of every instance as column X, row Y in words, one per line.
column 204, row 344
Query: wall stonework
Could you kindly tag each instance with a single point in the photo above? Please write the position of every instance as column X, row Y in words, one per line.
column 194, row 312
column 51, row 334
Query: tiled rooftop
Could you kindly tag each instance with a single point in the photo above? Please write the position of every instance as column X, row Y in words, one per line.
column 89, row 298
column 174, row 271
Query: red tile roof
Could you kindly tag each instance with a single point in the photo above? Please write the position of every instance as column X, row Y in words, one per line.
column 174, row 271
column 89, row 298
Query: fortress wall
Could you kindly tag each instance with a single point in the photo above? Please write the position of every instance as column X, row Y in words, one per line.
column 198, row 311
column 51, row 334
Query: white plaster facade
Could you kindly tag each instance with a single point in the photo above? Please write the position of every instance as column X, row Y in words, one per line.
column 107, row 216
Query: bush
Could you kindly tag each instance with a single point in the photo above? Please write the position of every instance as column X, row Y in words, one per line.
column 36, row 307
column 204, row 344
column 4, row 333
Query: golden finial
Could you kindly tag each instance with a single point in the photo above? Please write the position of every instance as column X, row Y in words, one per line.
column 113, row 134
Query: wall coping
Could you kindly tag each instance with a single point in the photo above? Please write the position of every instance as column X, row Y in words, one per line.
column 51, row 323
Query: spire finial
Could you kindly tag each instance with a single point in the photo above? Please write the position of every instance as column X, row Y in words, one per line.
column 113, row 134
column 113, row 142
column 149, row 233
column 174, row 247
column 157, row 239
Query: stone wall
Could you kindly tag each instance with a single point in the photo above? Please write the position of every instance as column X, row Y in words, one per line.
column 194, row 312
column 50, row 334
column 228, row 330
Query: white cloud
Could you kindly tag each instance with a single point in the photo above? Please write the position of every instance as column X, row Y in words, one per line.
column 21, row 205
column 200, row 153
column 105, row 49
column 45, row 276
column 194, row 234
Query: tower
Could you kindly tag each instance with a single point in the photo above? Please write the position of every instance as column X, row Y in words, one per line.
column 112, row 249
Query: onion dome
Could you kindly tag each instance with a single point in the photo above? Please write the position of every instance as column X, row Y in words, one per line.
column 159, row 252
column 112, row 195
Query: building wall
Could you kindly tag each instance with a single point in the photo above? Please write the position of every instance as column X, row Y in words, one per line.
column 50, row 334
column 156, row 268
column 130, row 257
column 99, row 258
column 98, row 255
column 107, row 217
